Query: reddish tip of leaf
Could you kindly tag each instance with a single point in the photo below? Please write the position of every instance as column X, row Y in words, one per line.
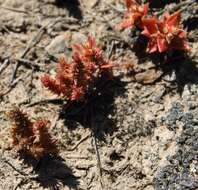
column 41, row 124
column 150, row 26
column 128, row 3
column 91, row 41
column 146, row 8
column 174, row 19
column 45, row 80
column 151, row 46
column 162, row 44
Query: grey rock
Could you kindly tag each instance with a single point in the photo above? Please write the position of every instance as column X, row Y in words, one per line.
column 159, row 92
column 58, row 47
column 178, row 173
column 174, row 114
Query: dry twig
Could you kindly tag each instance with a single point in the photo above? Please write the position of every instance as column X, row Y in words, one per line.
column 182, row 6
column 95, row 144
column 14, row 10
column 78, row 143
column 12, row 166
column 4, row 65
column 47, row 101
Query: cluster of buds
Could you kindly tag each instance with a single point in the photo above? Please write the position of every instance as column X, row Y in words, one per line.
column 164, row 33
column 134, row 14
column 31, row 138
column 73, row 79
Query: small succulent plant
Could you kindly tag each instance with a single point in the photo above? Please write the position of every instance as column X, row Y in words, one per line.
column 74, row 78
column 31, row 138
column 164, row 33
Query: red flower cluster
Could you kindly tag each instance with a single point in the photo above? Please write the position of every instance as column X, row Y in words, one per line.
column 73, row 78
column 29, row 137
column 163, row 34
column 134, row 15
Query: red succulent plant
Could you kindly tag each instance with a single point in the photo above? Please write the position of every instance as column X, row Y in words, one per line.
column 43, row 143
column 134, row 14
column 21, row 131
column 73, row 79
column 31, row 138
column 165, row 34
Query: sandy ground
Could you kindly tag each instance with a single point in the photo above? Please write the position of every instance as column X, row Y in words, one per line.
column 146, row 123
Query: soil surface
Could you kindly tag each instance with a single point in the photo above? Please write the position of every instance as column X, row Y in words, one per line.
column 144, row 132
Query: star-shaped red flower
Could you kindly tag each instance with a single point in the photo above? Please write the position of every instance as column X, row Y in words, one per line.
column 165, row 34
